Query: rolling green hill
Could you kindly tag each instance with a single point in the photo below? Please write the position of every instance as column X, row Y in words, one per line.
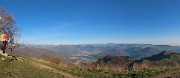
column 163, row 59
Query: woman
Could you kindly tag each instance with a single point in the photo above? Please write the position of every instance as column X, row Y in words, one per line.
column 4, row 39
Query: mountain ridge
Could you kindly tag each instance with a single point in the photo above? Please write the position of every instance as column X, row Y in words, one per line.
column 165, row 58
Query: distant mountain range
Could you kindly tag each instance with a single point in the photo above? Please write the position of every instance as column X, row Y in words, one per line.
column 94, row 51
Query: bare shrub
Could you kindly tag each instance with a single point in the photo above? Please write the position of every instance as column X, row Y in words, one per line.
column 57, row 60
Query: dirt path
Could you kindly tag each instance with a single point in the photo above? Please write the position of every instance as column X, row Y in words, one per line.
column 67, row 75
column 169, row 74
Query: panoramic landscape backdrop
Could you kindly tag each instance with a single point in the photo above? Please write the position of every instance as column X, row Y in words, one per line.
column 90, row 38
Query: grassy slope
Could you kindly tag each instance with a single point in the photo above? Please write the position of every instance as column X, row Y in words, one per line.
column 85, row 73
column 19, row 69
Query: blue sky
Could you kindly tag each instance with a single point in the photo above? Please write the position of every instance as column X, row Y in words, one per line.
column 96, row 21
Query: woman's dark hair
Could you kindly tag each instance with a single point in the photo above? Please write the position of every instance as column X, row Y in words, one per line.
column 5, row 32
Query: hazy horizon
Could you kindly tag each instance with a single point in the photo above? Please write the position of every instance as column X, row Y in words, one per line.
column 95, row 44
column 96, row 21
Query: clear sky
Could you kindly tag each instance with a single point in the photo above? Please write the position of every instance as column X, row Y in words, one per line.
column 96, row 21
